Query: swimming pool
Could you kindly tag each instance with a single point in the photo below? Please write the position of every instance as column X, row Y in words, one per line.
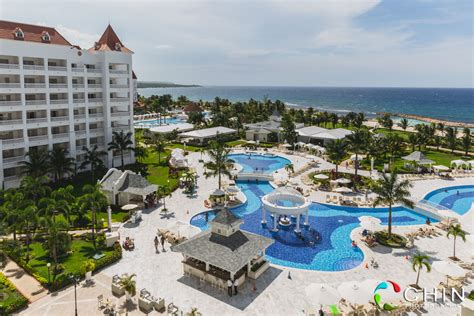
column 259, row 163
column 457, row 198
column 156, row 122
column 332, row 252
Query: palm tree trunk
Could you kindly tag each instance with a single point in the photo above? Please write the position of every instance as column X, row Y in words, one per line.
column 454, row 254
column 219, row 175
column 418, row 276
column 356, row 163
column 389, row 221
column 121, row 157
column 93, row 229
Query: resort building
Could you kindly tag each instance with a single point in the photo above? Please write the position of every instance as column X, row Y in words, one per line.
column 202, row 136
column 320, row 136
column 267, row 131
column 224, row 252
column 54, row 93
column 124, row 187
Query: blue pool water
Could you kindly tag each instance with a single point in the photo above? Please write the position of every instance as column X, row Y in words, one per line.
column 259, row 163
column 156, row 122
column 457, row 198
column 332, row 252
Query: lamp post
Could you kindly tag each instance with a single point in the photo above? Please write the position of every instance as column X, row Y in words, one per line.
column 49, row 272
column 75, row 280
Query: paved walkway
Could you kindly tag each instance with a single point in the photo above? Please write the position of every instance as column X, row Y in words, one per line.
column 25, row 283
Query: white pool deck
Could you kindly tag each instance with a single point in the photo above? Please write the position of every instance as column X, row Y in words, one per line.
column 274, row 293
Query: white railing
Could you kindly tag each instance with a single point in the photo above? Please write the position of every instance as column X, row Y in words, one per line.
column 121, row 113
column 10, row 66
column 96, row 130
column 57, row 68
column 58, row 85
column 37, row 138
column 75, row 101
column 13, row 141
column 118, row 71
column 35, row 85
column 96, row 115
column 13, row 159
column 78, row 86
column 33, row 67
column 80, row 116
column 11, row 178
column 77, row 69
column 80, row 133
column 80, row 148
column 94, row 70
column 37, row 120
column 119, row 99
column 11, row 122
column 59, row 118
column 10, row 85
column 119, row 86
column 60, row 135
column 94, row 100
column 94, row 85
column 10, row 103
column 35, row 102
column 59, row 101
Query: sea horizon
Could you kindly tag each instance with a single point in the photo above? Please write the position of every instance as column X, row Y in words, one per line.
column 423, row 102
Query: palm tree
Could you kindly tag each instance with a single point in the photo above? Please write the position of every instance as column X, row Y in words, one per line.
column 140, row 153
column 403, row 123
column 290, row 168
column 159, row 142
column 92, row 158
column 55, row 237
column 35, row 188
column 450, row 138
column 390, row 190
column 413, row 140
column 14, row 202
column 65, row 201
column 162, row 191
column 466, row 140
column 28, row 221
column 456, row 231
column 219, row 162
column 93, row 200
column 121, row 142
column 336, row 151
column 440, row 127
column 419, row 261
column 60, row 162
column 37, row 163
column 129, row 285
column 357, row 142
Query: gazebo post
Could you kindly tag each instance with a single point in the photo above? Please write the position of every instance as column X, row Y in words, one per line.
column 264, row 216
column 207, row 266
column 232, row 275
column 248, row 267
column 297, row 230
column 306, row 218
column 275, row 227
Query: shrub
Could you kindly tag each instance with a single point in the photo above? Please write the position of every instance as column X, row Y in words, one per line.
column 17, row 304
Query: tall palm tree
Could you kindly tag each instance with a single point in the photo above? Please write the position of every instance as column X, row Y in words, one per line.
column 219, row 162
column 35, row 188
column 37, row 164
column 93, row 157
column 162, row 191
column 466, row 140
column 121, row 142
column 390, row 190
column 357, row 143
column 28, row 220
column 14, row 202
column 336, row 151
column 93, row 200
column 159, row 143
column 60, row 163
column 403, row 123
column 65, row 201
column 450, row 138
column 418, row 261
column 290, row 168
column 140, row 153
column 456, row 231
column 56, row 236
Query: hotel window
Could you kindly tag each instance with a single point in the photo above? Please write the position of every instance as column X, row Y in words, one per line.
column 19, row 34
column 118, row 46
column 45, row 37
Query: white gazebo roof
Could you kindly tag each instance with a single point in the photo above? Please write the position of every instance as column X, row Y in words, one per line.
column 418, row 157
column 180, row 127
column 209, row 132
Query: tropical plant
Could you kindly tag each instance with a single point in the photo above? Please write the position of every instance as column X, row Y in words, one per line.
column 391, row 190
column 357, row 143
column 403, row 123
column 14, row 202
column 219, row 163
column 456, row 231
column 162, row 191
column 418, row 261
column 159, row 144
column 466, row 140
column 128, row 283
column 93, row 200
column 37, row 163
column 290, row 168
column 35, row 188
column 450, row 138
column 121, row 142
column 60, row 163
column 336, row 151
column 89, row 265
column 413, row 140
column 93, row 157
column 58, row 241
column 289, row 130
column 140, row 153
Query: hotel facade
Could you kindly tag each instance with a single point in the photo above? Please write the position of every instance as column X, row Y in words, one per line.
column 54, row 93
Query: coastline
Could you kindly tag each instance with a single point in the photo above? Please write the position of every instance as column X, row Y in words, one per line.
column 433, row 120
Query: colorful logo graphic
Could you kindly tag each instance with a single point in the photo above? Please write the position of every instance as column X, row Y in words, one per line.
column 378, row 298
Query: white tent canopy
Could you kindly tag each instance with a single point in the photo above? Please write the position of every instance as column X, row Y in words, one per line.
column 459, row 163
column 342, row 190
column 355, row 292
column 322, row 294
column 321, row 176
column 419, row 158
column 440, row 168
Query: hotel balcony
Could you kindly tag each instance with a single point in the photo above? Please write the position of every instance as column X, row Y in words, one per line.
column 57, row 68
column 11, row 122
column 77, row 69
column 9, row 141
column 78, row 86
column 12, row 85
column 96, row 115
column 59, row 102
column 12, row 160
column 119, row 100
column 60, row 118
column 39, row 85
column 39, row 138
column 33, row 67
column 37, row 120
column 94, row 70
column 118, row 71
column 61, row 136
column 118, row 86
column 10, row 103
column 9, row 66
column 35, row 102
column 58, row 85
column 120, row 113
column 95, row 100
column 78, row 101
column 80, row 134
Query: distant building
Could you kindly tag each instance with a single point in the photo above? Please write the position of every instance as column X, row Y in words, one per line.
column 56, row 94
column 263, row 131
column 203, row 136
column 321, row 136
column 192, row 107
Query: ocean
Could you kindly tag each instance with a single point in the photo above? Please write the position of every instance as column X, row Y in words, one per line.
column 455, row 105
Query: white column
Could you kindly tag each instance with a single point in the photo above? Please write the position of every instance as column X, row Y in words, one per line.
column 275, row 227
column 248, row 267
column 264, row 220
column 207, row 266
column 306, row 222
column 298, row 223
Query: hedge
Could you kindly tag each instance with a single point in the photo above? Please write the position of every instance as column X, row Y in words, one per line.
column 18, row 304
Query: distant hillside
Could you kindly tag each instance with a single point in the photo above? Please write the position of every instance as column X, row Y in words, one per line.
column 157, row 84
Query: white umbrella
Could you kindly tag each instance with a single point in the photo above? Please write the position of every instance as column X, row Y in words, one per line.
column 449, row 269
column 217, row 192
column 343, row 181
column 322, row 294
column 355, row 292
column 370, row 219
column 359, row 157
column 321, row 176
column 300, row 144
column 342, row 190
column 251, row 142
column 372, row 226
column 232, row 190
column 129, row 207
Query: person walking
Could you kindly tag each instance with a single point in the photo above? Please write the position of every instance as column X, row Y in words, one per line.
column 236, row 285
column 163, row 242
column 229, row 287
column 157, row 243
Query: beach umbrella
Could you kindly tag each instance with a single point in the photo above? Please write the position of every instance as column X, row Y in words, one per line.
column 321, row 176
column 217, row 192
column 287, row 145
column 342, row 190
column 372, row 226
column 359, row 157
column 129, row 207
column 449, row 269
column 343, row 181
column 355, row 292
column 322, row 294
column 372, row 219
column 232, row 190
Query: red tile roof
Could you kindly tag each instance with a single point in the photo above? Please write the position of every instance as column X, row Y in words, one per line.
column 32, row 33
column 109, row 41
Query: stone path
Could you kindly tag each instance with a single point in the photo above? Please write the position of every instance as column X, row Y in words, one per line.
column 25, row 283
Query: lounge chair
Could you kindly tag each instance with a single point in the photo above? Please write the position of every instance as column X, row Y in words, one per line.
column 145, row 304
column 158, row 304
column 100, row 302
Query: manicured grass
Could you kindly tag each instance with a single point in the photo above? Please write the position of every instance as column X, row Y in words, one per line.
column 158, row 173
column 10, row 299
column 234, row 143
column 403, row 134
column 188, row 147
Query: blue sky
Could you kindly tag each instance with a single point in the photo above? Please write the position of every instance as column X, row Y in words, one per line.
column 404, row 43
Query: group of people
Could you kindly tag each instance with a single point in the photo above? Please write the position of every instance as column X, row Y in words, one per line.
column 128, row 244
column 151, row 200
column 232, row 286
column 157, row 242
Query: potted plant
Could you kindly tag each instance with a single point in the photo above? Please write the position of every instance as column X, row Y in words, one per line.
column 129, row 285
column 89, row 266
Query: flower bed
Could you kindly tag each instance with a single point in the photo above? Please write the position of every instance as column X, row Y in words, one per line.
column 10, row 299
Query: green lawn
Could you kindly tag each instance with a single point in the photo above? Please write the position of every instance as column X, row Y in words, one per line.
column 402, row 134
column 10, row 299
column 188, row 147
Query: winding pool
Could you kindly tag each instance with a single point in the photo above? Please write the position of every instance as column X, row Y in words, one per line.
column 259, row 163
column 457, row 198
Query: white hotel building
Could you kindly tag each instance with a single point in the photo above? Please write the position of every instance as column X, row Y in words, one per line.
column 53, row 93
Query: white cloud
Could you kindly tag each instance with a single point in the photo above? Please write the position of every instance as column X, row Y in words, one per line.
column 76, row 37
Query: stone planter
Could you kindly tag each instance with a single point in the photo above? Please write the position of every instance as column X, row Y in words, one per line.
column 88, row 275
column 254, row 275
